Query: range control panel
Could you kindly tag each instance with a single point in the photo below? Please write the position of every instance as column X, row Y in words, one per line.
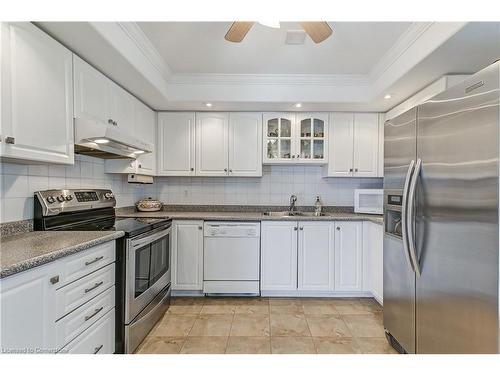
column 67, row 200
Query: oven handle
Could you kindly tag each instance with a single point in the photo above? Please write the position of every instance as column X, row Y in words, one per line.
column 140, row 242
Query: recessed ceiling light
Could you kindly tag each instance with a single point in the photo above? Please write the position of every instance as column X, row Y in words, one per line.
column 101, row 141
column 298, row 105
column 270, row 23
column 138, row 152
column 208, row 104
column 387, row 96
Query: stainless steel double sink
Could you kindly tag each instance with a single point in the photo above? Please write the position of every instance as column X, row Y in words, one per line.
column 292, row 214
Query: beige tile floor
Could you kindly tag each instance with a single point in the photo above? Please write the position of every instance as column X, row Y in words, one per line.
column 269, row 325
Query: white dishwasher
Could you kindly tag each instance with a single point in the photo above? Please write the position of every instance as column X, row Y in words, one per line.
column 231, row 259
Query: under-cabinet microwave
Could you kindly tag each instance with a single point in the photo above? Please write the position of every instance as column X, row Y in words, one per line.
column 369, row 201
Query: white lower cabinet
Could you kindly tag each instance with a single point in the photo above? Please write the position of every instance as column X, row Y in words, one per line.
column 45, row 310
column 308, row 258
column 348, row 256
column 316, row 256
column 278, row 269
column 187, row 255
column 373, row 241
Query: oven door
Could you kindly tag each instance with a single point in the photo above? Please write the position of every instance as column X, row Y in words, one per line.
column 148, row 269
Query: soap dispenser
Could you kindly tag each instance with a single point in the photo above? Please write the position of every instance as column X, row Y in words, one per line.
column 317, row 206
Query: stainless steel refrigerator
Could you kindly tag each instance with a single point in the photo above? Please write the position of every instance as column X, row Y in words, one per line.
column 441, row 240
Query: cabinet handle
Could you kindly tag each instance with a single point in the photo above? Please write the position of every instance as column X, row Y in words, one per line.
column 356, row 169
column 140, row 165
column 54, row 280
column 293, row 156
column 200, row 227
column 230, row 171
column 98, row 348
column 294, row 228
column 350, row 169
column 301, row 228
column 10, row 140
column 298, row 156
column 225, row 169
column 96, row 311
column 96, row 285
column 338, row 228
column 192, row 169
column 95, row 260
column 115, row 123
column 110, row 121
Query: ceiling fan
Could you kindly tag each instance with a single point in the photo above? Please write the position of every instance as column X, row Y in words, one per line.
column 317, row 31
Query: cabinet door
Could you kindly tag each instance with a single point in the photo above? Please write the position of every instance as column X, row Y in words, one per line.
column 340, row 163
column 212, row 144
column 278, row 269
column 279, row 138
column 365, row 144
column 176, row 143
column 381, row 121
column 316, row 256
column 312, row 135
column 92, row 96
column 373, row 249
column 145, row 129
column 122, row 109
column 187, row 255
column 348, row 256
column 36, row 96
column 245, row 144
column 27, row 304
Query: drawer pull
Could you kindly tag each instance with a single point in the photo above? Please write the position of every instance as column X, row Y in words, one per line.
column 95, row 260
column 98, row 348
column 96, row 311
column 96, row 285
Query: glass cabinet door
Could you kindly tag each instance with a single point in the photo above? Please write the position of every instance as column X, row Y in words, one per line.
column 278, row 138
column 312, row 138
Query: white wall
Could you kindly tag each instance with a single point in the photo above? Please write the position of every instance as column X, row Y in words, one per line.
column 20, row 181
column 273, row 188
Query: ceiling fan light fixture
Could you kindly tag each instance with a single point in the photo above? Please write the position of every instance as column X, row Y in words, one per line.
column 272, row 24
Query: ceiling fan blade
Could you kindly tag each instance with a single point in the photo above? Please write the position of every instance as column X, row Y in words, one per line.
column 318, row 31
column 237, row 31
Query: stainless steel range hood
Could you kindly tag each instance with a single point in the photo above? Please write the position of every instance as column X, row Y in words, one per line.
column 101, row 140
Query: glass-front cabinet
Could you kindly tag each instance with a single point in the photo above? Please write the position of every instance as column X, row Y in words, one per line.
column 295, row 138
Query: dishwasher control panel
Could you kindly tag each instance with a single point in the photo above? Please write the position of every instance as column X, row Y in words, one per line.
column 231, row 229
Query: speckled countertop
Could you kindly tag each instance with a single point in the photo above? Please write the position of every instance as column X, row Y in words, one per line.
column 21, row 252
column 245, row 216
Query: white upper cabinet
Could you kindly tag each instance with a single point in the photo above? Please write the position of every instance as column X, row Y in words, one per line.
column 245, row 144
column 145, row 130
column 354, row 145
column 176, row 143
column 312, row 135
column 316, row 256
column 295, row 138
column 36, row 96
column 366, row 144
column 348, row 256
column 97, row 98
column 92, row 99
column 341, row 145
column 279, row 135
column 212, row 154
column 278, row 270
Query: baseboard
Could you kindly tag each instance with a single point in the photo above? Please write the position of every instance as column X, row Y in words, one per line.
column 187, row 293
column 303, row 293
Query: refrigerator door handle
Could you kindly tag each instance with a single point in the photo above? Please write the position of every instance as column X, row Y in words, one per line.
column 404, row 216
column 409, row 214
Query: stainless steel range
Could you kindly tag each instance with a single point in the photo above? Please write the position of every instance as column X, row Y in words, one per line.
column 143, row 265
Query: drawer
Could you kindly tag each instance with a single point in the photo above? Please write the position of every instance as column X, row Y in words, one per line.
column 98, row 339
column 81, row 264
column 73, row 295
column 85, row 316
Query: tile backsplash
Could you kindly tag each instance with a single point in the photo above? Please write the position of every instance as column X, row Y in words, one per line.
column 19, row 181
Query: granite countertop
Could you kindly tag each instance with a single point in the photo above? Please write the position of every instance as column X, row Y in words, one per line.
column 21, row 252
column 245, row 216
